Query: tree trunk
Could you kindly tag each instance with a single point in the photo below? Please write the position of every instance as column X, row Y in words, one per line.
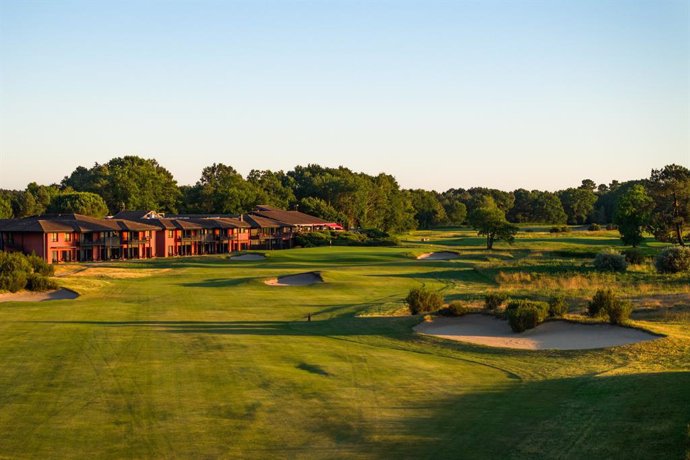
column 489, row 241
column 679, row 234
column 679, row 224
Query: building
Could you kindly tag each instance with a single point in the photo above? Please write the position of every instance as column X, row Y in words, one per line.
column 147, row 234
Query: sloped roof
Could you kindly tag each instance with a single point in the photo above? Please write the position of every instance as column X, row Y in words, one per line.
column 255, row 221
column 71, row 223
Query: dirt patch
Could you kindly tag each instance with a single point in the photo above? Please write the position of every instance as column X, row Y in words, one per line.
column 249, row 257
column 30, row 296
column 552, row 335
column 441, row 255
column 302, row 279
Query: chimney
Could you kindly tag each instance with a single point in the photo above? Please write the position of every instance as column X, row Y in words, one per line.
column 241, row 217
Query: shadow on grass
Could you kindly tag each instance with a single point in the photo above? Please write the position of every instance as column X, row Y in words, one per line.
column 464, row 274
column 313, row 369
column 335, row 326
column 639, row 416
column 218, row 282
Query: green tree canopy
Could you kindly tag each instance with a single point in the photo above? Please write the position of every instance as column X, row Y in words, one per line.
column 86, row 203
column 670, row 189
column 489, row 220
column 128, row 182
column 428, row 210
column 633, row 214
column 578, row 204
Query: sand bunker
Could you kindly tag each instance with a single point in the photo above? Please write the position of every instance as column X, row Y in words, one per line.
column 248, row 257
column 442, row 255
column 552, row 335
column 303, row 279
column 30, row 296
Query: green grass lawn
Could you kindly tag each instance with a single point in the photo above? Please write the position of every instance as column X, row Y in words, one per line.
column 198, row 358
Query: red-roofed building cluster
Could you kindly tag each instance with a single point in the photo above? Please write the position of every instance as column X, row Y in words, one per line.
column 147, row 234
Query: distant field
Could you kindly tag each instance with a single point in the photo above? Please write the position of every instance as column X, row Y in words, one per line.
column 198, row 358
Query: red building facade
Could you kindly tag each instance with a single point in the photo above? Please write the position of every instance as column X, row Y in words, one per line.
column 146, row 234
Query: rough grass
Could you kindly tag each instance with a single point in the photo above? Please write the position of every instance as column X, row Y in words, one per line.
column 203, row 360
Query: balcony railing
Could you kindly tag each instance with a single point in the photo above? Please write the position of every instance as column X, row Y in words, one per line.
column 140, row 240
column 109, row 241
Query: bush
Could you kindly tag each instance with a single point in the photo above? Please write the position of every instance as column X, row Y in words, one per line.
column 38, row 282
column 422, row 300
column 18, row 272
column 610, row 261
column 618, row 311
column 40, row 266
column 601, row 302
column 526, row 314
column 367, row 237
column 13, row 281
column 455, row 308
column 557, row 306
column 562, row 229
column 594, row 227
column 494, row 300
column 634, row 256
column 673, row 259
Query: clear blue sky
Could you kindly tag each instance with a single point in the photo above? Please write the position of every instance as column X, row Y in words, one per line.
column 507, row 94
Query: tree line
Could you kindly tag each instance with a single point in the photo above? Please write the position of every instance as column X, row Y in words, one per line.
column 659, row 204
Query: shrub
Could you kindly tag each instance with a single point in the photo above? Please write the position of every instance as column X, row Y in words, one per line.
column 558, row 306
column 634, row 256
column 456, row 308
column 18, row 272
column 494, row 300
column 601, row 302
column 610, row 261
column 618, row 311
column 13, row 281
column 526, row 314
column 14, row 269
column 673, row 259
column 38, row 282
column 562, row 229
column 594, row 227
column 40, row 266
column 422, row 300
column 369, row 237
column 523, row 318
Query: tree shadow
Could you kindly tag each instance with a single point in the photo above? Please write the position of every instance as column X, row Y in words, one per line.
column 642, row 416
column 219, row 282
column 344, row 325
column 466, row 275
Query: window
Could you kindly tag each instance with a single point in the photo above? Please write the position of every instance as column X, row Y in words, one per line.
column 68, row 237
column 170, row 251
column 53, row 238
column 148, row 234
column 171, row 233
column 124, row 236
column 54, row 254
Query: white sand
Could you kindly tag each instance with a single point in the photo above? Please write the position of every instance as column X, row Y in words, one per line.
column 303, row 279
column 248, row 257
column 552, row 335
column 441, row 255
column 30, row 296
